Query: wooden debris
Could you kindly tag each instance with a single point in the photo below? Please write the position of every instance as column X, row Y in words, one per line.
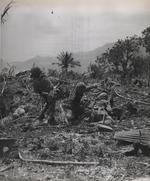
column 50, row 162
column 145, row 164
column 6, row 168
column 141, row 136
column 102, row 127
column 131, row 99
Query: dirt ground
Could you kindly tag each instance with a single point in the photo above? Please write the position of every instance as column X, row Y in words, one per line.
column 80, row 143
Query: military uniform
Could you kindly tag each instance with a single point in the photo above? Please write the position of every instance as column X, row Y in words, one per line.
column 75, row 103
column 45, row 88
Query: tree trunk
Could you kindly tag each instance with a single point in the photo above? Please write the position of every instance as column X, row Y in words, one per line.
column 64, row 73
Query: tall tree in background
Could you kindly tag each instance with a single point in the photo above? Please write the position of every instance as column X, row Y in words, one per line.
column 146, row 44
column 138, row 67
column 94, row 71
column 125, row 59
column 100, row 67
column 121, row 55
column 146, row 39
column 66, row 61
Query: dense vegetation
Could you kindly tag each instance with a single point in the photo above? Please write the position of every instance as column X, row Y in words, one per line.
column 128, row 58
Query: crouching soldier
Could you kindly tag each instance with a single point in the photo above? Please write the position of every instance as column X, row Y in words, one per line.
column 75, row 102
column 46, row 90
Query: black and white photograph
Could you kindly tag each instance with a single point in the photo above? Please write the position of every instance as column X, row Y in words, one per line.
column 74, row 90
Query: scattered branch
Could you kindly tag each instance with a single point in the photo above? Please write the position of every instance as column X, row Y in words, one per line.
column 131, row 99
column 50, row 162
column 7, row 168
column 146, row 164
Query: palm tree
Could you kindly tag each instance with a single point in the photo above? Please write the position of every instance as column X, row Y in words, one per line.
column 2, row 21
column 66, row 61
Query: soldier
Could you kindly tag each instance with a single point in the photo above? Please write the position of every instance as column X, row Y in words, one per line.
column 45, row 88
column 75, row 104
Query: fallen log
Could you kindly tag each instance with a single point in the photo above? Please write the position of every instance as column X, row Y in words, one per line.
column 139, row 93
column 50, row 162
column 131, row 99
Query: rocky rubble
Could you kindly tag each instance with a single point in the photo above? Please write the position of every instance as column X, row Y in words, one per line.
column 86, row 142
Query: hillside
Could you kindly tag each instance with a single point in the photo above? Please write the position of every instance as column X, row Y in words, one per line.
column 43, row 62
column 94, row 149
column 46, row 61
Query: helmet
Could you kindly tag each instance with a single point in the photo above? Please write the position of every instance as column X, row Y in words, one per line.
column 80, row 87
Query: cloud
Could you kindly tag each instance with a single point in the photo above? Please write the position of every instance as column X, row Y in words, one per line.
column 33, row 19
column 87, row 3
column 31, row 29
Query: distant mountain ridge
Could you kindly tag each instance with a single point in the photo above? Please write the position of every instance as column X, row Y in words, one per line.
column 45, row 62
column 85, row 58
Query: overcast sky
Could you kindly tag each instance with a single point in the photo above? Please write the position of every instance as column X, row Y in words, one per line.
column 75, row 25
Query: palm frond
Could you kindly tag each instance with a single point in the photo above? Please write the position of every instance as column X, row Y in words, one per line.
column 6, row 9
column 66, row 60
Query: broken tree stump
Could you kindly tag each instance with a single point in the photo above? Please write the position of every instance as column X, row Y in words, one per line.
column 140, row 139
column 134, row 136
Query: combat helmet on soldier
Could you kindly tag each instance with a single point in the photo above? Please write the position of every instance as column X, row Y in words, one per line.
column 41, row 84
